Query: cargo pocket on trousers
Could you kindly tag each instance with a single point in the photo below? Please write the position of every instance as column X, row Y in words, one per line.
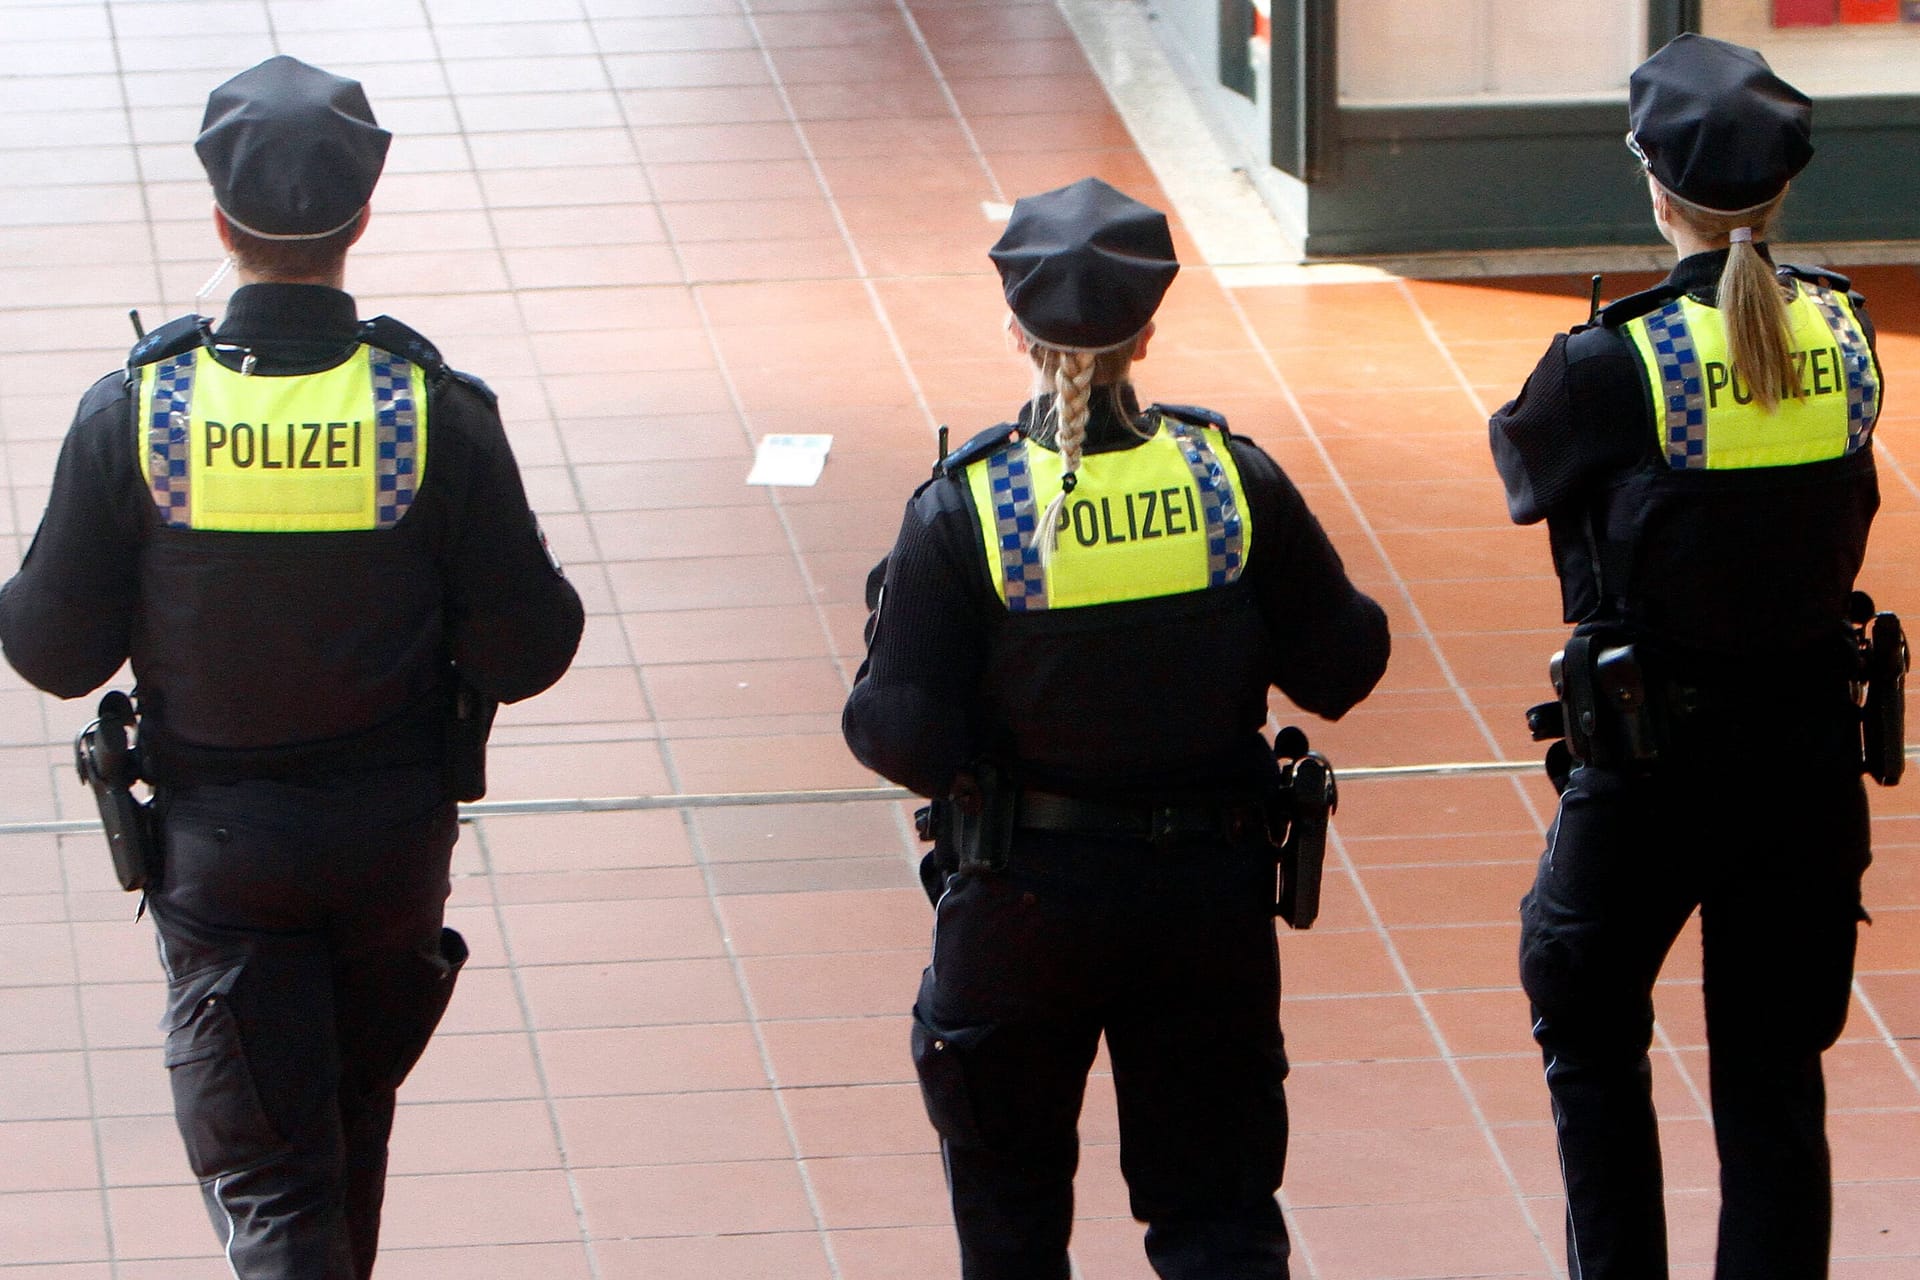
column 215, row 1100
column 940, row 1059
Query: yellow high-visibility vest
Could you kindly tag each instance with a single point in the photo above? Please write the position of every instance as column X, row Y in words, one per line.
column 1162, row 518
column 341, row 449
column 1705, row 409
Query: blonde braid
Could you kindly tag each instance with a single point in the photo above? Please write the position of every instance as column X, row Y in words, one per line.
column 1071, row 373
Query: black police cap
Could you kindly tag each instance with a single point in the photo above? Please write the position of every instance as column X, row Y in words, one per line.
column 1084, row 266
column 1716, row 126
column 293, row 152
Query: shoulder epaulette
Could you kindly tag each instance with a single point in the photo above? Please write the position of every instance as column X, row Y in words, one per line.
column 1635, row 305
column 979, row 447
column 1816, row 275
column 390, row 335
column 176, row 336
column 1191, row 414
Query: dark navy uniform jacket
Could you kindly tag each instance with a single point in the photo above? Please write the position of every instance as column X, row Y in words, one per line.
column 1163, row 696
column 1723, row 567
column 251, row 646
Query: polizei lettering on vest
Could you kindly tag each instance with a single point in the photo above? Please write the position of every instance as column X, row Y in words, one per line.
column 1819, row 372
column 300, row 446
column 1134, row 517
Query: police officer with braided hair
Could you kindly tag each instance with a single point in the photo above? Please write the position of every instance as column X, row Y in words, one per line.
column 310, row 537
column 1071, row 648
column 1702, row 456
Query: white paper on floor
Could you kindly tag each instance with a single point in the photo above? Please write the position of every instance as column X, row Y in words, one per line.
column 789, row 459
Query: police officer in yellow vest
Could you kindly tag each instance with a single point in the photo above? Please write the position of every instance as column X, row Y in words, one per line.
column 310, row 537
column 1702, row 455
column 1072, row 645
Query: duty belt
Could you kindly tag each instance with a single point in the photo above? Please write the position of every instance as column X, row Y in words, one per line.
column 1047, row 811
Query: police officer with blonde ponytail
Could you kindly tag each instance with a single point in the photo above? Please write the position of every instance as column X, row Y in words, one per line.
column 1071, row 650
column 1702, row 456
column 308, row 535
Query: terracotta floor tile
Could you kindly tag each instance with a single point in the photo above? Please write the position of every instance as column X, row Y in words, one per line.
column 157, row 1222
column 697, row 1199
column 1462, row 957
column 880, row 1191
column 801, row 258
column 784, row 763
column 609, row 769
column 756, row 689
column 1452, row 895
column 812, row 923
column 1482, row 1022
column 1389, row 1242
column 474, row 1068
column 119, row 1015
column 646, row 993
column 841, row 1051
column 840, row 985
column 42, row 1086
column 128, row 1081
column 664, row 1060
column 739, row 634
column 478, row 1208
column 1355, row 1028
column 707, row 582
column 586, row 841
column 860, row 1120
column 472, row 1137
column 1328, row 961
column 1390, row 1166
column 47, row 1155
column 673, row 1129
column 566, row 933
column 895, row 1253
column 504, row 1261
column 1511, row 1089
column 1408, row 1094
column 789, row 1255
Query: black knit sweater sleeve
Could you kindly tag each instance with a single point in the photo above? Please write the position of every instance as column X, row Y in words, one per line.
column 1330, row 639
column 910, row 717
column 67, row 617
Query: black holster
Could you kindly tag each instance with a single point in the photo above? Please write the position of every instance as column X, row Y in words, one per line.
column 1881, row 691
column 971, row 829
column 1605, row 710
column 106, row 755
column 1303, row 801
column 469, row 723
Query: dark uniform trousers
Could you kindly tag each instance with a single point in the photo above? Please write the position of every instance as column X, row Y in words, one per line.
column 1170, row 951
column 1772, row 855
column 300, row 927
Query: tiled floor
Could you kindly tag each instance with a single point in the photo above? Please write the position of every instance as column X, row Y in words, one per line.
column 663, row 229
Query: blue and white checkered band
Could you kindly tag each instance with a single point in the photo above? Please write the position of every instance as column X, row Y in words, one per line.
column 1014, row 522
column 1226, row 541
column 167, row 445
column 396, row 445
column 1682, row 387
column 1863, row 384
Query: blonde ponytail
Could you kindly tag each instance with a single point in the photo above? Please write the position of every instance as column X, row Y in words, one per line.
column 1759, row 332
